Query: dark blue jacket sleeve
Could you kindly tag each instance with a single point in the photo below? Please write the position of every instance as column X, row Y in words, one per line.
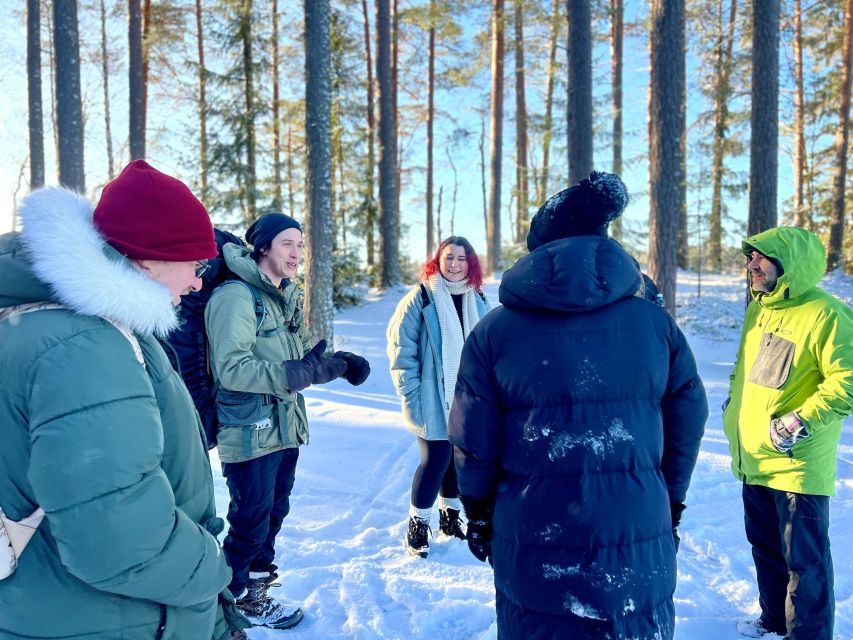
column 476, row 421
column 685, row 410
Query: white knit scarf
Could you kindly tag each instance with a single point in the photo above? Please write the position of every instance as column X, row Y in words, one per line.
column 452, row 334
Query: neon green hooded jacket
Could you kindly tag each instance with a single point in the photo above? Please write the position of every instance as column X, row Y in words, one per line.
column 796, row 354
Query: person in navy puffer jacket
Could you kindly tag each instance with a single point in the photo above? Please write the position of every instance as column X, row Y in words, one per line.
column 577, row 418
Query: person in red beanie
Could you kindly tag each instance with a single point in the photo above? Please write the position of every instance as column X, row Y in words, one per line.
column 154, row 220
column 102, row 447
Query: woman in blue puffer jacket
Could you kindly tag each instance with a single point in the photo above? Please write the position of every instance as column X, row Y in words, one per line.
column 425, row 338
column 577, row 420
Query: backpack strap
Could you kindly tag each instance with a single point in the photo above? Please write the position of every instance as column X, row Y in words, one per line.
column 258, row 302
column 424, row 296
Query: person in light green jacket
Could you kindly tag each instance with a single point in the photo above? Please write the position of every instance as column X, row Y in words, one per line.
column 261, row 358
column 791, row 389
column 97, row 429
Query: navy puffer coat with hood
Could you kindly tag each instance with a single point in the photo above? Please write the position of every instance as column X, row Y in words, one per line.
column 578, row 415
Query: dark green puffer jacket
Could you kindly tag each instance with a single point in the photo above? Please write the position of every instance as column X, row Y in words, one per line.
column 110, row 448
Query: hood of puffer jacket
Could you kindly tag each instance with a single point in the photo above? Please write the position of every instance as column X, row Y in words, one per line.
column 575, row 274
column 803, row 259
column 60, row 257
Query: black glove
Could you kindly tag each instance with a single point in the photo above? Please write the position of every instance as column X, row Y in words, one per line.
column 675, row 510
column 328, row 369
column 311, row 370
column 357, row 367
column 479, row 536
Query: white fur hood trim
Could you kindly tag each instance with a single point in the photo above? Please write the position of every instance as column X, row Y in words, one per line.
column 67, row 254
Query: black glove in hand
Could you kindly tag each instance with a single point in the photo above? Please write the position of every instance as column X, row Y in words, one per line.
column 328, row 369
column 300, row 373
column 479, row 536
column 675, row 510
column 358, row 368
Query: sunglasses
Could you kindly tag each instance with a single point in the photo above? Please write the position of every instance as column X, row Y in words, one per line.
column 201, row 268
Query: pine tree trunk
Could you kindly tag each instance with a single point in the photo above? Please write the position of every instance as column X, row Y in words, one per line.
column 521, row 219
column 542, row 194
column 105, row 75
column 579, row 102
column 834, row 255
column 146, row 56
column 51, row 56
column 371, row 138
column 722, row 92
column 802, row 216
column 617, row 30
column 34, row 106
column 136, row 80
column 430, row 231
column 276, row 118
column 249, row 213
column 682, row 250
column 319, row 308
column 290, row 180
column 483, row 183
column 493, row 221
column 665, row 142
column 69, row 111
column 202, row 98
column 395, row 89
column 764, row 142
column 388, row 226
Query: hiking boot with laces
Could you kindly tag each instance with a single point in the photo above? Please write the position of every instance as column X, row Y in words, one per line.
column 417, row 543
column 263, row 611
column 450, row 524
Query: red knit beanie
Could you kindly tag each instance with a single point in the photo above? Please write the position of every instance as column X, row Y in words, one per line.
column 147, row 215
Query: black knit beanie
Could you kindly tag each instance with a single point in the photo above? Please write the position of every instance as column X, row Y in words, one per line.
column 584, row 209
column 263, row 230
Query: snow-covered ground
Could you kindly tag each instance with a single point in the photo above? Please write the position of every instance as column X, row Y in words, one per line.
column 341, row 552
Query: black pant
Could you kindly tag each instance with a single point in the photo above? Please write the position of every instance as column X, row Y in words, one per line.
column 435, row 472
column 260, row 500
column 789, row 534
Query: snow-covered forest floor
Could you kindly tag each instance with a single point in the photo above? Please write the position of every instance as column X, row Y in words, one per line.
column 341, row 548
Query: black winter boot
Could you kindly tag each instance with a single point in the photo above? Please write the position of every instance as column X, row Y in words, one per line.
column 417, row 542
column 450, row 524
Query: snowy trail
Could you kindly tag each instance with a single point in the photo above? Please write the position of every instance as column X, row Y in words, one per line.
column 341, row 552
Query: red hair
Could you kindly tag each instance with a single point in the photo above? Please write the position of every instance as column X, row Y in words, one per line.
column 475, row 272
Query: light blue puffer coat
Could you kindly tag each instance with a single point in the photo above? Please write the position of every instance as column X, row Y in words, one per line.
column 414, row 350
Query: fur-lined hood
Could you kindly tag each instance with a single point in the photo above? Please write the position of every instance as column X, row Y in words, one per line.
column 60, row 256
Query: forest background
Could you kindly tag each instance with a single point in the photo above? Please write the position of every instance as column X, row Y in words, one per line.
column 386, row 125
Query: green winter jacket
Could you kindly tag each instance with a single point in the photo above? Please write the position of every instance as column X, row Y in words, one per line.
column 256, row 411
column 796, row 354
column 110, row 448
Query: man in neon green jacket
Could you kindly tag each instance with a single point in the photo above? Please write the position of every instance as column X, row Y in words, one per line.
column 791, row 389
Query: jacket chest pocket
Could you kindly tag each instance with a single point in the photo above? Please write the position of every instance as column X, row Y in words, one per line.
column 773, row 362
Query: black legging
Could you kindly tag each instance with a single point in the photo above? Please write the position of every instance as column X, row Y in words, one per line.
column 436, row 471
